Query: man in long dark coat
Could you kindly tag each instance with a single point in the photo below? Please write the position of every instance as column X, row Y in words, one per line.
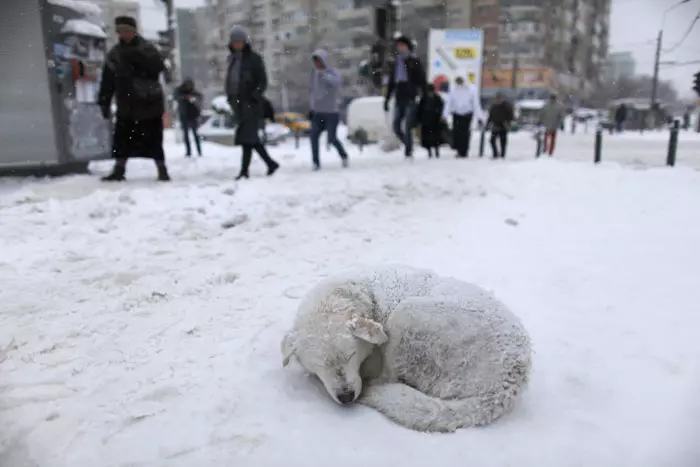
column 246, row 82
column 131, row 75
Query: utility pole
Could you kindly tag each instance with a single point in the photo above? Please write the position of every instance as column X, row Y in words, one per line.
column 657, row 62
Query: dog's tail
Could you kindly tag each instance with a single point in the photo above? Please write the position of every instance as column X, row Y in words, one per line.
column 417, row 411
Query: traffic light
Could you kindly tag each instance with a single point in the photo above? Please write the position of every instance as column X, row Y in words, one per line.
column 385, row 20
column 696, row 84
column 377, row 57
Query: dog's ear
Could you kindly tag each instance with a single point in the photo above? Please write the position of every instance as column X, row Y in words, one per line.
column 367, row 330
column 288, row 348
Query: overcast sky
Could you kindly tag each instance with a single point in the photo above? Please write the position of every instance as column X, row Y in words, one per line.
column 634, row 27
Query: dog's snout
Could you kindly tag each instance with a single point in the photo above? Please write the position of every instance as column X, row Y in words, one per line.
column 346, row 397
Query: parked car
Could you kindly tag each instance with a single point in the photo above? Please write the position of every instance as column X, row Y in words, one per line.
column 294, row 121
column 219, row 128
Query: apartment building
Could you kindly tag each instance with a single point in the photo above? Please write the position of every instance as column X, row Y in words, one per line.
column 620, row 65
column 192, row 32
column 557, row 46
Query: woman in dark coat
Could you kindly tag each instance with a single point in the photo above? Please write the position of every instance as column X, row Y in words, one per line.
column 246, row 82
column 131, row 74
column 431, row 122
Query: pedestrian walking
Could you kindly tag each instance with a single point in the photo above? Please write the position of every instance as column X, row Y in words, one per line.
column 406, row 82
column 551, row 117
column 324, row 89
column 189, row 106
column 463, row 103
column 246, row 82
column 131, row 75
column 620, row 117
column 429, row 116
column 500, row 118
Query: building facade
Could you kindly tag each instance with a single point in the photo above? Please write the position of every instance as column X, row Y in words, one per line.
column 620, row 65
column 554, row 46
column 192, row 32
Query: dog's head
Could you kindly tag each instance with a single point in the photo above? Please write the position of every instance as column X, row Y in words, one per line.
column 332, row 342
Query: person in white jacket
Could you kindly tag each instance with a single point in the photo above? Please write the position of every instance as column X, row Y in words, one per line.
column 464, row 104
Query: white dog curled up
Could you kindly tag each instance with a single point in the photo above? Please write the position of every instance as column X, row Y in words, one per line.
column 430, row 353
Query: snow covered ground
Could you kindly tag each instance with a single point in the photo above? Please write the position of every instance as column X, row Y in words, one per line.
column 136, row 331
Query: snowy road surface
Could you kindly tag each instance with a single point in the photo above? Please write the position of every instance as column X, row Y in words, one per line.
column 135, row 331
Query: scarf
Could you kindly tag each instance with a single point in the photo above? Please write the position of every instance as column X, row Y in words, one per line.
column 234, row 74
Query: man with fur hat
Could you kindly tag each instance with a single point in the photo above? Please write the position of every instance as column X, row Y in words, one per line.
column 406, row 82
column 131, row 75
column 246, row 82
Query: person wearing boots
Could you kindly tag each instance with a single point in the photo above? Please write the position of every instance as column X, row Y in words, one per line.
column 131, row 75
column 551, row 118
column 324, row 90
column 463, row 103
column 246, row 82
column 407, row 81
column 429, row 117
column 189, row 106
column 501, row 116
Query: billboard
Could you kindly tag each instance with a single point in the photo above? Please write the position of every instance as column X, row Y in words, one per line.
column 452, row 53
column 525, row 78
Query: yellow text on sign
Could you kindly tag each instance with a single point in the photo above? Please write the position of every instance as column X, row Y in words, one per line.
column 465, row 53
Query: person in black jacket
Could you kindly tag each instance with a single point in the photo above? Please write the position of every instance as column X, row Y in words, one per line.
column 131, row 74
column 189, row 106
column 620, row 117
column 406, row 82
column 429, row 116
column 246, row 82
column 501, row 116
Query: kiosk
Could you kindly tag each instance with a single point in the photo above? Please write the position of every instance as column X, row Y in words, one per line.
column 50, row 63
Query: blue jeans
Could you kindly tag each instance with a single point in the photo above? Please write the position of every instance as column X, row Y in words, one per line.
column 328, row 122
column 405, row 113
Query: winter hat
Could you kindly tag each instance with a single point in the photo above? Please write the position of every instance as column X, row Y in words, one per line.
column 125, row 23
column 405, row 40
column 239, row 33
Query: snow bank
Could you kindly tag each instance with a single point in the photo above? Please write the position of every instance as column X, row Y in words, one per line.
column 151, row 334
column 84, row 28
column 220, row 104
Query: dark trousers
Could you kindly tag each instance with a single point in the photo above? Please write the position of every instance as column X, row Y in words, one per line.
column 248, row 157
column 462, row 133
column 187, row 126
column 404, row 121
column 328, row 122
column 500, row 136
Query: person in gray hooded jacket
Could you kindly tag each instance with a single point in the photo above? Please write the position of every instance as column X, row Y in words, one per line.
column 246, row 82
column 324, row 90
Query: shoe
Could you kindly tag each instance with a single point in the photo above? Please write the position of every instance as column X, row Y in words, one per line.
column 316, row 168
column 188, row 155
column 272, row 169
column 117, row 175
column 241, row 176
column 345, row 163
column 163, row 175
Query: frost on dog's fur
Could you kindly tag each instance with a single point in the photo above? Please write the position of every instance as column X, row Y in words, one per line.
column 430, row 353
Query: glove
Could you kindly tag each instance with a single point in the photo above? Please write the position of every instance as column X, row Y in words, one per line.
column 105, row 111
column 386, row 105
column 311, row 115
